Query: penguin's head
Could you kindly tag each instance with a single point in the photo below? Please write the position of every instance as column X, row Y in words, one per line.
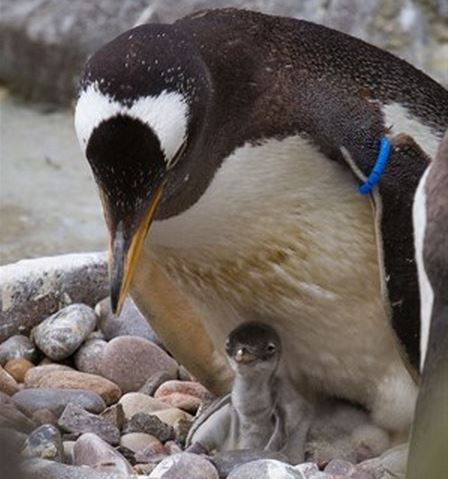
column 253, row 346
column 141, row 102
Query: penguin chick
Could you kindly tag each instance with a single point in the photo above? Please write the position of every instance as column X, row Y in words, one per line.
column 345, row 431
column 258, row 412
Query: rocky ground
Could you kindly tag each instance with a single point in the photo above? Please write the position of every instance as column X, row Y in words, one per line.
column 85, row 394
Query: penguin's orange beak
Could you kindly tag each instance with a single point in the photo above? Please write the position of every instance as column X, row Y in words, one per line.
column 125, row 249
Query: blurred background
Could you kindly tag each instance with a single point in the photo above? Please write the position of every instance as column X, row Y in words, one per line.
column 48, row 200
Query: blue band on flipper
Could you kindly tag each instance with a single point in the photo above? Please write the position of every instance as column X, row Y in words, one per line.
column 377, row 171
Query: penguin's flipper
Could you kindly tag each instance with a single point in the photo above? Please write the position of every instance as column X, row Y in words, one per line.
column 392, row 201
column 208, row 415
column 406, row 164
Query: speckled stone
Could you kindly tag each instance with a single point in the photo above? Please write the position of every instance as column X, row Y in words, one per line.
column 61, row 334
column 44, row 442
column 175, row 467
column 55, row 400
column 115, row 415
column 129, row 361
column 90, row 450
column 150, row 424
column 17, row 346
column 76, row 420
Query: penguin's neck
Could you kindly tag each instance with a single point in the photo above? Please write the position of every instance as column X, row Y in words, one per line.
column 253, row 394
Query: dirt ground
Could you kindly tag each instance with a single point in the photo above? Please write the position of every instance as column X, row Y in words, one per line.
column 48, row 199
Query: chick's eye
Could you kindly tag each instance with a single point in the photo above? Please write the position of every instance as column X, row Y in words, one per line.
column 270, row 348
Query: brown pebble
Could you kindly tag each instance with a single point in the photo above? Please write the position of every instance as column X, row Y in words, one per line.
column 8, row 384
column 186, row 402
column 18, row 367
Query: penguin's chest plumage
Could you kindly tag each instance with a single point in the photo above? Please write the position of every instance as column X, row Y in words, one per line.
column 282, row 235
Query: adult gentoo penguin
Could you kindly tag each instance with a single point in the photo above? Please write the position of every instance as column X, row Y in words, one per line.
column 240, row 137
column 428, row 451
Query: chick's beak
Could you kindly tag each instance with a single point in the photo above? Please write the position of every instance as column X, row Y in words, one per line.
column 243, row 356
column 125, row 248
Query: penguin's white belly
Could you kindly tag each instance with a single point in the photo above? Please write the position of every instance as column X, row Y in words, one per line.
column 282, row 235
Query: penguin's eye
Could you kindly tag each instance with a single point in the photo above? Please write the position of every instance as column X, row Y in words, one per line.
column 271, row 348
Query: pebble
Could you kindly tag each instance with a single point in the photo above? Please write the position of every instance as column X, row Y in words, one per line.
column 129, row 361
column 61, row 334
column 109, row 391
column 130, row 322
column 34, row 376
column 150, row 424
column 88, row 357
column 133, row 403
column 115, row 415
column 153, row 382
column 182, row 426
column 339, row 467
column 44, row 416
column 11, row 417
column 76, row 420
column 153, row 452
column 8, row 384
column 135, row 441
column 68, row 447
column 188, row 388
column 172, row 447
column 144, row 469
column 44, row 442
column 183, row 401
column 17, row 347
column 55, row 400
column 175, row 467
column 90, row 450
column 308, row 469
column 226, row 461
column 18, row 367
column 265, row 469
column 172, row 415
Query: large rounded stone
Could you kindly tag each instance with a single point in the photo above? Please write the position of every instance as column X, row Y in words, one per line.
column 134, row 403
column 88, row 357
column 17, row 346
column 90, row 450
column 265, row 469
column 44, row 442
column 176, row 466
column 61, row 334
column 129, row 361
column 109, row 391
column 55, row 400
column 34, row 376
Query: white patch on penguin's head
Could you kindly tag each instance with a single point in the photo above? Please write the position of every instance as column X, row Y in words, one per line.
column 166, row 114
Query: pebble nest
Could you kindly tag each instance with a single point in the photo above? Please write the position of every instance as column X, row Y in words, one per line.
column 89, row 395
